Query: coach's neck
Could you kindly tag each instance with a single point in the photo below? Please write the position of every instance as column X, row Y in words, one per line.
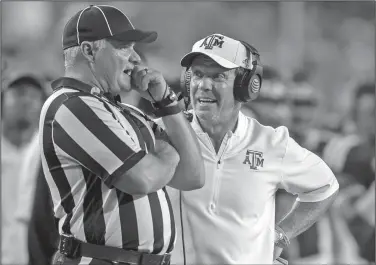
column 218, row 128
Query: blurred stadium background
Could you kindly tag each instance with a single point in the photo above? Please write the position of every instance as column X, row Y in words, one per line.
column 316, row 55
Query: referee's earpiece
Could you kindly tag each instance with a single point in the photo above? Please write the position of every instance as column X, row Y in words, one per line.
column 247, row 85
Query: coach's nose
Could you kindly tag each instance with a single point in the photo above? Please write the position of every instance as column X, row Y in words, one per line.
column 205, row 84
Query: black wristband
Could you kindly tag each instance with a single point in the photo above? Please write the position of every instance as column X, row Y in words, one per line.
column 166, row 111
column 171, row 97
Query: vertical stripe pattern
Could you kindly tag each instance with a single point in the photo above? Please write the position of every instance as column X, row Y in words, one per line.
column 172, row 222
column 85, row 147
column 54, row 165
column 93, row 218
column 128, row 221
column 157, row 226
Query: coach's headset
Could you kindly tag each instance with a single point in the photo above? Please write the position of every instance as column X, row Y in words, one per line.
column 247, row 85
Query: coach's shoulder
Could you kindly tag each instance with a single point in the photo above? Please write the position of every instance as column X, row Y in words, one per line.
column 275, row 136
column 266, row 138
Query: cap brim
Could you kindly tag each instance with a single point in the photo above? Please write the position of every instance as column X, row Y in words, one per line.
column 136, row 35
column 188, row 58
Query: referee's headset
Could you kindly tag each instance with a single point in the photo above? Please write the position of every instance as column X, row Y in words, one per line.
column 247, row 85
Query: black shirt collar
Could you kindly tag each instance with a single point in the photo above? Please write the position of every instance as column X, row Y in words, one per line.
column 79, row 85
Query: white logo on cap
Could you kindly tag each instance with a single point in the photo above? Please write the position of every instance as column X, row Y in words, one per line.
column 255, row 85
column 246, row 62
column 213, row 41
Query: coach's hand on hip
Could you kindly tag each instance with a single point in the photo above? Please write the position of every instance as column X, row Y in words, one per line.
column 149, row 83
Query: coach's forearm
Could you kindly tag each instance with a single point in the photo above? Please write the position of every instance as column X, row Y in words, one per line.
column 190, row 173
column 303, row 215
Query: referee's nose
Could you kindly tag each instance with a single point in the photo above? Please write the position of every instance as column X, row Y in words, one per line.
column 135, row 58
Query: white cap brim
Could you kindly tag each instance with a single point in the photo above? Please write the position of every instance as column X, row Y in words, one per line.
column 188, row 58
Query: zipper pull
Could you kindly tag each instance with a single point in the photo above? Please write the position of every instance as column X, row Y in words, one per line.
column 218, row 163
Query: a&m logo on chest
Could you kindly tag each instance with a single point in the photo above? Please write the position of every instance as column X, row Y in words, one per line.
column 254, row 159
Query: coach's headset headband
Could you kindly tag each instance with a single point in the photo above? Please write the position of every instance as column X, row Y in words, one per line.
column 247, row 85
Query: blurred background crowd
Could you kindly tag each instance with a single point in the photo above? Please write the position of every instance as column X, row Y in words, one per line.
column 318, row 81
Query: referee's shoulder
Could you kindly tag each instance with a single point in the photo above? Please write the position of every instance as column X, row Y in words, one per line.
column 76, row 102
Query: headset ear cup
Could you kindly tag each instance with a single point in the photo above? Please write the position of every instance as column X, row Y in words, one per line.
column 254, row 87
column 240, row 87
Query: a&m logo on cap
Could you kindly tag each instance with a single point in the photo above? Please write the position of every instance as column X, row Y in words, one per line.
column 213, row 41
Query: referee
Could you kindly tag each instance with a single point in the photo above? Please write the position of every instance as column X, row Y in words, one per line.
column 106, row 164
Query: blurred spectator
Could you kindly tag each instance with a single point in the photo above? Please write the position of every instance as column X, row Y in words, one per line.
column 348, row 153
column 352, row 156
column 21, row 100
column 271, row 103
column 312, row 246
column 302, row 99
column 33, row 213
column 35, row 208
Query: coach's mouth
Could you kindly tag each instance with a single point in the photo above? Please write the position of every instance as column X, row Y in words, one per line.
column 206, row 100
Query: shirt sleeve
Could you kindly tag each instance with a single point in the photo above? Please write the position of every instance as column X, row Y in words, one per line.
column 307, row 175
column 85, row 130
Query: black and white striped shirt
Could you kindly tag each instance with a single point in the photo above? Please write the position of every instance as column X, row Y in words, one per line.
column 87, row 142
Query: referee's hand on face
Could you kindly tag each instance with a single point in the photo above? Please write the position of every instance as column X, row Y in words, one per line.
column 149, row 83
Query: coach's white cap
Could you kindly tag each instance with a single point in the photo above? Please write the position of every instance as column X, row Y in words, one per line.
column 226, row 51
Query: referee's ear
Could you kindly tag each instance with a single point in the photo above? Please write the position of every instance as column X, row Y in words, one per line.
column 87, row 50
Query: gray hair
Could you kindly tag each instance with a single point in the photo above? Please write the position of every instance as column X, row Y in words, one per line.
column 71, row 54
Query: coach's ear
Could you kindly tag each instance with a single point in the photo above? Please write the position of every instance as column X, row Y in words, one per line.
column 87, row 51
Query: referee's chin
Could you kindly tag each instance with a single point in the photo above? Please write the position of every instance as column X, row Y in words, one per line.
column 124, row 86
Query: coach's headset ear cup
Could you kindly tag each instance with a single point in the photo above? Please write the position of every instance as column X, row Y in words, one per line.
column 240, row 92
column 254, row 87
column 247, row 85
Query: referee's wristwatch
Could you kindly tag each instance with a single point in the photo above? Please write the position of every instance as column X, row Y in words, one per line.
column 281, row 239
column 171, row 97
column 162, row 107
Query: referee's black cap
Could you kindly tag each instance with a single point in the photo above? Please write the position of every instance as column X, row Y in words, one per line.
column 97, row 22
